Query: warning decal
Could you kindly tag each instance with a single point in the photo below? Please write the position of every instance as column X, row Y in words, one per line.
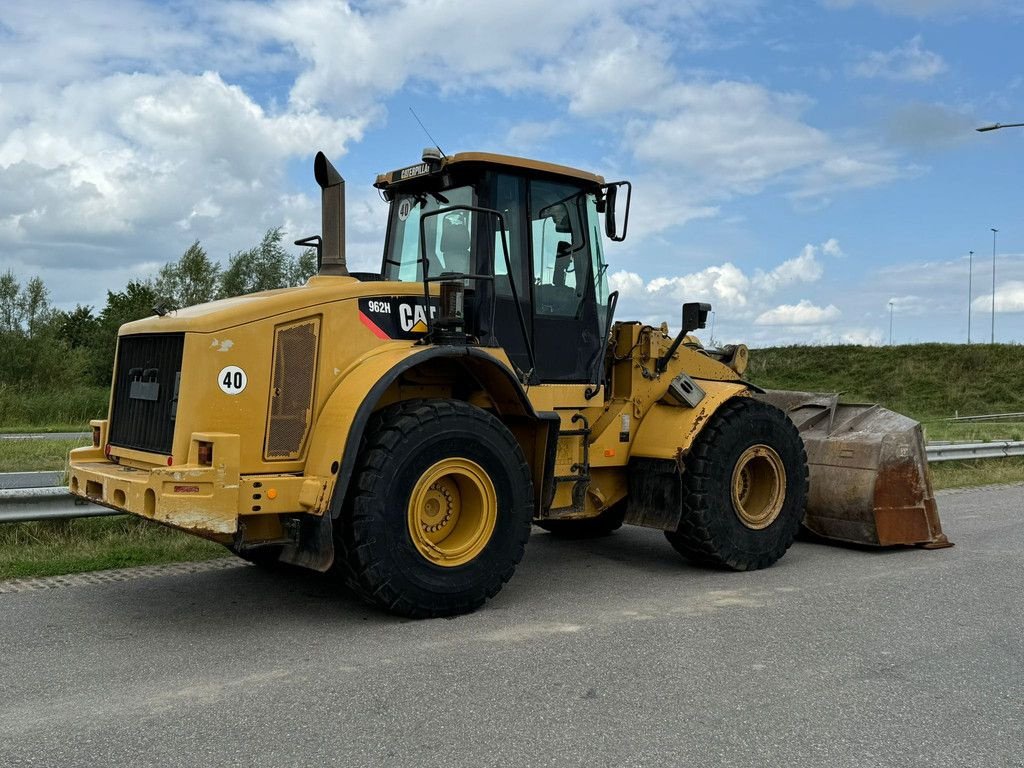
column 395, row 317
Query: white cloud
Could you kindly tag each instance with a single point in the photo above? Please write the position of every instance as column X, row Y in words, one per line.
column 629, row 284
column 1009, row 298
column 156, row 153
column 737, row 138
column 725, row 284
column 868, row 337
column 802, row 313
column 831, row 248
column 805, row 268
column 908, row 62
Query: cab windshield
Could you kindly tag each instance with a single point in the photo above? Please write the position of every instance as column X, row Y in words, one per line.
column 449, row 237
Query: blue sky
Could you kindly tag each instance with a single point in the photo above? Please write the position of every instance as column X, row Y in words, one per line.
column 799, row 165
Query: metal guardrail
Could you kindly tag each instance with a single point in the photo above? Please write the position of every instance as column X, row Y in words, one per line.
column 996, row 449
column 23, row 505
column 987, row 417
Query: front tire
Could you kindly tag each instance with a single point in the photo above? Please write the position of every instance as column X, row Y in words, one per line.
column 439, row 510
column 744, row 488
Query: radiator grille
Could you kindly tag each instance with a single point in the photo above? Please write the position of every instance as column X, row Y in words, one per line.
column 145, row 397
column 291, row 393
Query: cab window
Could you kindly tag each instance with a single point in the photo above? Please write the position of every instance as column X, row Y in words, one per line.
column 448, row 237
column 561, row 252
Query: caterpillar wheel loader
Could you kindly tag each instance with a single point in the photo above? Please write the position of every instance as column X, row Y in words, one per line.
column 405, row 428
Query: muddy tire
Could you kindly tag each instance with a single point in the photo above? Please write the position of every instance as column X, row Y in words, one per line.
column 438, row 513
column 744, row 488
column 603, row 524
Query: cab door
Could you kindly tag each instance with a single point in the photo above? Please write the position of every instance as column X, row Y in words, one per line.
column 568, row 283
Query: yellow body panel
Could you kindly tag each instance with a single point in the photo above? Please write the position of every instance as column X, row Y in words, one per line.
column 358, row 371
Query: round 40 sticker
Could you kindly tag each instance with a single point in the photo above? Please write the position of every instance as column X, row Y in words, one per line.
column 232, row 380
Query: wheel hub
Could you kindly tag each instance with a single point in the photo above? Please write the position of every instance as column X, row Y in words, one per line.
column 452, row 512
column 758, row 486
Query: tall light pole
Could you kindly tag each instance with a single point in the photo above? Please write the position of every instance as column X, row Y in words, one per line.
column 970, row 291
column 997, row 126
column 890, row 323
column 994, row 230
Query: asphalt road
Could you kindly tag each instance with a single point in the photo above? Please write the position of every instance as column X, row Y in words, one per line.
column 611, row 652
column 30, row 479
column 84, row 436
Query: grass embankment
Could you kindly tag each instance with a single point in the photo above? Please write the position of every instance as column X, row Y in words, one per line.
column 36, row 455
column 928, row 382
column 53, row 547
column 51, row 409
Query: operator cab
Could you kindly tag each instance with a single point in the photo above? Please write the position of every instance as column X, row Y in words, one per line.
column 461, row 214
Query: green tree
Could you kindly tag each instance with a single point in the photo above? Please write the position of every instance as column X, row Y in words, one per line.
column 35, row 306
column 266, row 266
column 77, row 327
column 192, row 279
column 10, row 311
column 133, row 303
column 305, row 267
column 34, row 355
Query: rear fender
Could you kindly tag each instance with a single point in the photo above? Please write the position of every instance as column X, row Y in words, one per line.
column 342, row 422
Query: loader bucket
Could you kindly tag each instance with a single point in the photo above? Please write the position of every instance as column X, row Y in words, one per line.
column 869, row 481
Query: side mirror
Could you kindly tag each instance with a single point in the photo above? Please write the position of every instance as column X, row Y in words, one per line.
column 695, row 315
column 610, row 204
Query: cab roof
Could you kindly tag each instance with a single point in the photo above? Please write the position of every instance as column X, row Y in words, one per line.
column 430, row 166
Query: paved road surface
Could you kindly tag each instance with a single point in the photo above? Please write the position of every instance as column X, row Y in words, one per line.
column 83, row 436
column 30, row 479
column 610, row 652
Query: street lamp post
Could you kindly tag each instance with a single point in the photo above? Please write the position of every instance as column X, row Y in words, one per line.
column 890, row 323
column 970, row 291
column 997, row 126
column 994, row 230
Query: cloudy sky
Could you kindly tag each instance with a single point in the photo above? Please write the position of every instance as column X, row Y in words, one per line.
column 800, row 165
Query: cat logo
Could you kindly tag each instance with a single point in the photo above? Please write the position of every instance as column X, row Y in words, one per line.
column 396, row 317
column 413, row 317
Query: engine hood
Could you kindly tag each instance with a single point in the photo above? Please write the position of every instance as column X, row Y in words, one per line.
column 227, row 313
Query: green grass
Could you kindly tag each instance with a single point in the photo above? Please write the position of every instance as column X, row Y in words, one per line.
column 968, row 474
column 36, row 455
column 57, row 547
column 51, row 409
column 925, row 381
column 928, row 382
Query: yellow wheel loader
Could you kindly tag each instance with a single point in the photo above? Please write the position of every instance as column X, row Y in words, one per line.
column 405, row 428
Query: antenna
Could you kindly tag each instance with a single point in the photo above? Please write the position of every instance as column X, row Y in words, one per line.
column 427, row 132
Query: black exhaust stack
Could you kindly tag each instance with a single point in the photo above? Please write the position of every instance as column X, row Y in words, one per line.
column 332, row 203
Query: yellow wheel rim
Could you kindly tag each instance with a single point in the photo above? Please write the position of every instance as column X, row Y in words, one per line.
column 452, row 512
column 758, row 486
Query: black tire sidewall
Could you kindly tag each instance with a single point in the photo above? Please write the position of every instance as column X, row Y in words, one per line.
column 488, row 444
column 754, row 424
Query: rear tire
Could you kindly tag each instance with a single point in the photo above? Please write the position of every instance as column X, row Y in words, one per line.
column 744, row 488
column 439, row 510
column 604, row 524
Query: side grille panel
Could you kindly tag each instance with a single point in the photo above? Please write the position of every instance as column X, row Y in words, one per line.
column 146, row 391
column 291, row 393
